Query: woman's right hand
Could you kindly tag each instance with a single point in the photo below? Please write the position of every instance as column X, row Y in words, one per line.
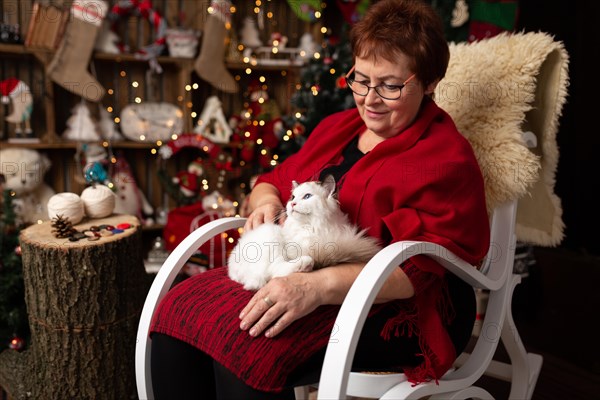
column 264, row 206
column 269, row 212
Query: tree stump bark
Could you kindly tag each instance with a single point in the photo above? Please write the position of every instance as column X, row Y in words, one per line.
column 83, row 300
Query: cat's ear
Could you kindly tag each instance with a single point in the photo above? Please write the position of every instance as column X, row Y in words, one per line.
column 329, row 184
column 294, row 185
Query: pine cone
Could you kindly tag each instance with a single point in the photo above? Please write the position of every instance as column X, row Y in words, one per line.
column 63, row 228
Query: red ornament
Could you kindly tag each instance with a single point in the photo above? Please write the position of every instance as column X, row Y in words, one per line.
column 247, row 152
column 17, row 343
column 269, row 137
column 298, row 129
column 341, row 83
column 224, row 163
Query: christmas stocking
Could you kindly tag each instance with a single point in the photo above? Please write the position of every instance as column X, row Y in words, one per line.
column 209, row 65
column 69, row 66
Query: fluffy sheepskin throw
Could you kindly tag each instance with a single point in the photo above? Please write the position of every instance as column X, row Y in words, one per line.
column 495, row 90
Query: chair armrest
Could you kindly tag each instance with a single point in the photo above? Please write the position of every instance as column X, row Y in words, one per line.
column 161, row 285
column 360, row 298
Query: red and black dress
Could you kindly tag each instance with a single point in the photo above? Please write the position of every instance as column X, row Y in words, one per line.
column 423, row 184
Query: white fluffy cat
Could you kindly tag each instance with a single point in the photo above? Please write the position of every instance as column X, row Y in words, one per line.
column 315, row 234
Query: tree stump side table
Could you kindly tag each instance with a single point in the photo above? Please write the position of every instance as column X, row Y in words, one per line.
column 84, row 300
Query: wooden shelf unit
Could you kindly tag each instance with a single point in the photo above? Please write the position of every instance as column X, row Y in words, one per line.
column 117, row 73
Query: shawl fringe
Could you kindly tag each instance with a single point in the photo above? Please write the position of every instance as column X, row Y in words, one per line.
column 403, row 324
column 406, row 323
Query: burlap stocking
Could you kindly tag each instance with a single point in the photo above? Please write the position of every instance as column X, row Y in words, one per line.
column 69, row 67
column 210, row 64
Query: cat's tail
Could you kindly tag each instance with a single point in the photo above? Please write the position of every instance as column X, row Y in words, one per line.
column 349, row 245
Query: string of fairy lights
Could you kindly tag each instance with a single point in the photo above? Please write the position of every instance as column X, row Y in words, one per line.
column 261, row 9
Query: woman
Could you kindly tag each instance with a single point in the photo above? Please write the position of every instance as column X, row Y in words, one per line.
column 405, row 173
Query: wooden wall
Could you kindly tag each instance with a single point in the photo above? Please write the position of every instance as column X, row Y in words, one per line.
column 118, row 74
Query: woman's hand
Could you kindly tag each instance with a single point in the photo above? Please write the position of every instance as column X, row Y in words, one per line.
column 269, row 212
column 264, row 205
column 280, row 302
column 283, row 300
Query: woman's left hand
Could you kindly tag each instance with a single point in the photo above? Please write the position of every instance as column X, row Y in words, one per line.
column 279, row 303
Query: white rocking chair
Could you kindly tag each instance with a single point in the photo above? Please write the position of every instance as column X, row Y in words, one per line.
column 495, row 276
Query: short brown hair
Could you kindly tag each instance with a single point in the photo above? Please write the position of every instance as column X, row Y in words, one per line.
column 410, row 27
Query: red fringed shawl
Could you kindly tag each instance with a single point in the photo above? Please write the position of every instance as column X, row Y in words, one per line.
column 423, row 184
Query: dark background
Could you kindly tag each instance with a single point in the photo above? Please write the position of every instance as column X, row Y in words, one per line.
column 576, row 24
column 558, row 303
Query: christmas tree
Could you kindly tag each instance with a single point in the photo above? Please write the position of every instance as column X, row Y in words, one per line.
column 323, row 91
column 13, row 314
column 81, row 126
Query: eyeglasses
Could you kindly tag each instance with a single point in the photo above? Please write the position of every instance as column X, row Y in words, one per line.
column 385, row 91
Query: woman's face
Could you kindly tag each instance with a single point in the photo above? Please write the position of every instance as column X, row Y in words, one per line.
column 387, row 118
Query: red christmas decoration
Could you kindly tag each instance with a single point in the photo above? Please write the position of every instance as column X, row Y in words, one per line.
column 259, row 126
column 341, row 83
column 124, row 9
column 247, row 152
column 298, row 129
column 17, row 343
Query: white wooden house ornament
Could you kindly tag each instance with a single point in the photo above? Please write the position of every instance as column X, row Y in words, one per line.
column 212, row 123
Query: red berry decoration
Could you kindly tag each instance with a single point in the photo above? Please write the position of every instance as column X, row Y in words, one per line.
column 17, row 343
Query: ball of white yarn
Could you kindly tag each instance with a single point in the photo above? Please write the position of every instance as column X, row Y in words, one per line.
column 69, row 205
column 98, row 201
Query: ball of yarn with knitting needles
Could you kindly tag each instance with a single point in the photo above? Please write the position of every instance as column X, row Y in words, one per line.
column 98, row 201
column 69, row 205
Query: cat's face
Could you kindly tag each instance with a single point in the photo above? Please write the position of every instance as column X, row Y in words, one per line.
column 311, row 200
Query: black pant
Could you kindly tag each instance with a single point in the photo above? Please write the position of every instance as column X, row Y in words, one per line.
column 181, row 371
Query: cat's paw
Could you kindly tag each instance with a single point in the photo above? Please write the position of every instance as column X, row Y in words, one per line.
column 284, row 268
column 250, row 279
column 306, row 264
column 253, row 286
column 253, row 282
